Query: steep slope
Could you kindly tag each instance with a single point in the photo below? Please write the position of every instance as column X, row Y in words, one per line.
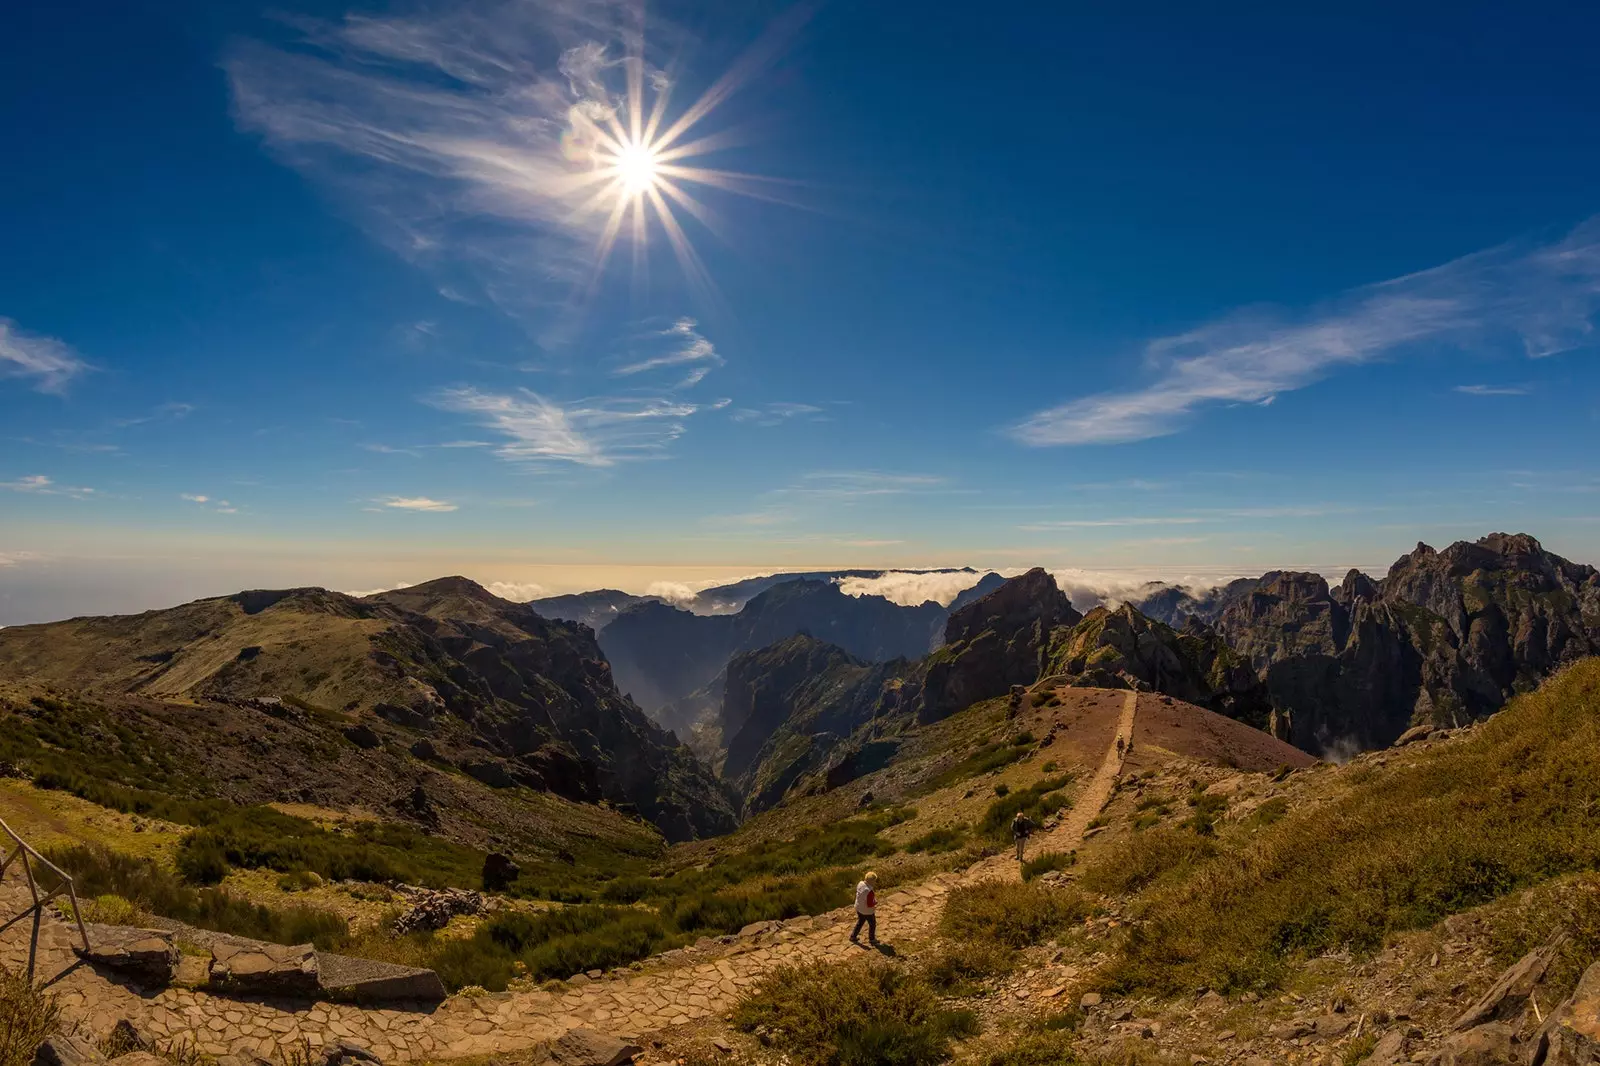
column 506, row 696
column 997, row 641
column 661, row 654
column 1445, row 638
column 788, row 706
column 1122, row 648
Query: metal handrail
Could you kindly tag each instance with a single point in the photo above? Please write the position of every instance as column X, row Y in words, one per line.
column 22, row 854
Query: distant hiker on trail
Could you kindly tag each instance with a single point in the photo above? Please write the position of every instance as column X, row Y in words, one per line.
column 867, row 909
column 1021, row 826
column 1119, row 745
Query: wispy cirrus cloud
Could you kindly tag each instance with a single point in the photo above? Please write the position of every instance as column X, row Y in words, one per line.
column 679, row 345
column 40, row 485
column 775, row 414
column 1493, row 390
column 1539, row 298
column 208, row 503
column 417, row 503
column 596, row 432
column 49, row 363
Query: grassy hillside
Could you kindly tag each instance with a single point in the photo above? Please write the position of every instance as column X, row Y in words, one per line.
column 1396, row 844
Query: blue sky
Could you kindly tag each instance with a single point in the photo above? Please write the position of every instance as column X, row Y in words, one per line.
column 310, row 294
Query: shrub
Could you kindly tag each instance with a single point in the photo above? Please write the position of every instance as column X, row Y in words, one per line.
column 1508, row 807
column 1048, row 861
column 858, row 1013
column 202, row 860
column 990, row 756
column 27, row 1017
column 958, row 965
column 1205, row 810
column 1141, row 859
column 1037, row 800
column 99, row 872
column 1016, row 915
column 1002, row 789
column 948, row 838
column 1040, row 1048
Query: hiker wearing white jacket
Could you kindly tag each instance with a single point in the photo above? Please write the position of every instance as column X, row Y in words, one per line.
column 867, row 909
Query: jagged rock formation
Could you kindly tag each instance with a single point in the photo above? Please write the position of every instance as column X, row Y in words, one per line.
column 504, row 695
column 997, row 641
column 1444, row 638
column 1122, row 648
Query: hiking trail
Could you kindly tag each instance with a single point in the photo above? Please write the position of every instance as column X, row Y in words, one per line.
column 629, row 1002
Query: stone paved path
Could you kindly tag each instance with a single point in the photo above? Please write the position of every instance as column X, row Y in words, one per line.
column 629, row 1003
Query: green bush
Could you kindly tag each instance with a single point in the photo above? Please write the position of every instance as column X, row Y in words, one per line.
column 1142, row 858
column 1036, row 801
column 97, row 871
column 27, row 1017
column 1046, row 862
column 1205, row 810
column 958, row 965
column 989, row 757
column 1438, row 832
column 948, row 838
column 202, row 860
column 858, row 1013
column 1010, row 913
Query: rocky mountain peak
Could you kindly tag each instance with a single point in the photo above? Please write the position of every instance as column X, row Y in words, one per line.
column 1032, row 598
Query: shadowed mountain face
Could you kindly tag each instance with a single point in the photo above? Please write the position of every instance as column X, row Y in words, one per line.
column 661, row 654
column 1444, row 638
column 508, row 697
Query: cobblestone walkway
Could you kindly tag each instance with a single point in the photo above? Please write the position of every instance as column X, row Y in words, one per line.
column 628, row 1003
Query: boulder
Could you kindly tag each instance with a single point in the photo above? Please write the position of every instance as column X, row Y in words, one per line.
column 1510, row 992
column 585, row 1047
column 1390, row 1050
column 363, row 736
column 499, row 871
column 354, row 980
column 146, row 955
column 67, row 1051
column 1487, row 1045
column 1571, row 1035
column 256, row 968
column 1412, row 735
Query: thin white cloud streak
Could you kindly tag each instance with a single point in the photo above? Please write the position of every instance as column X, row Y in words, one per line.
column 39, row 485
column 595, row 432
column 1493, row 390
column 195, row 498
column 685, row 345
column 418, row 503
column 775, row 414
column 50, row 363
column 1540, row 298
column 18, row 557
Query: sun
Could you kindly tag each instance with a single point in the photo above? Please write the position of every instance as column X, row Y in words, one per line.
column 637, row 169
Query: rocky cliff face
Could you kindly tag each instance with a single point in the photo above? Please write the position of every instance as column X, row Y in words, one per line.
column 997, row 641
column 1122, row 648
column 787, row 707
column 1444, row 638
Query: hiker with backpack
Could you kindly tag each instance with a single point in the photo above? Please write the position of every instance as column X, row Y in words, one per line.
column 1021, row 827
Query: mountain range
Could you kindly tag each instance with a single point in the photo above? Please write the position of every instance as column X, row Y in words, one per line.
column 488, row 721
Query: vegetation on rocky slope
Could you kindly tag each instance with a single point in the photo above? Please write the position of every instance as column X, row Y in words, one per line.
column 1513, row 805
